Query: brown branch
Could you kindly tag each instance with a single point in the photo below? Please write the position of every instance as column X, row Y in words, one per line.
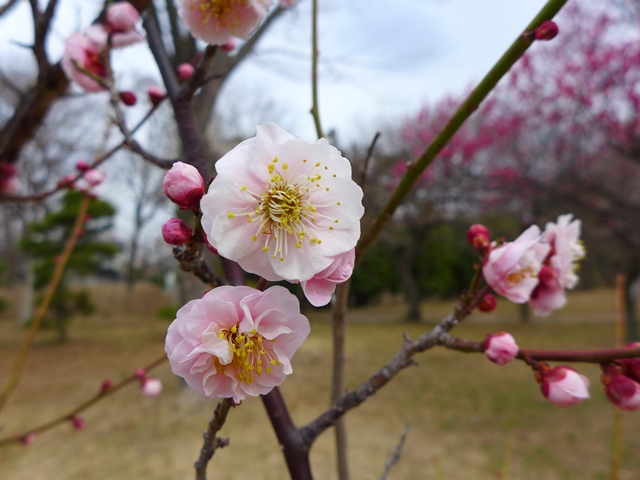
column 211, row 442
column 191, row 261
column 7, row 6
column 104, row 392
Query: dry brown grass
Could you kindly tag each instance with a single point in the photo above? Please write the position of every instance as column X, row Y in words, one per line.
column 468, row 417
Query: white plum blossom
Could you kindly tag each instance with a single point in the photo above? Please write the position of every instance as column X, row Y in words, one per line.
column 281, row 207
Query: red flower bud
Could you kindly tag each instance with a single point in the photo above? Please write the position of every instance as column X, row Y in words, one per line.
column 183, row 185
column 128, row 98
column 546, row 31
column 176, row 232
column 621, row 391
column 106, row 385
column 156, row 94
column 478, row 236
column 28, row 439
column 487, row 304
column 78, row 423
column 82, row 166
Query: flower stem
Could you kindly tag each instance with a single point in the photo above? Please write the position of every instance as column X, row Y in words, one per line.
column 471, row 104
column 314, row 68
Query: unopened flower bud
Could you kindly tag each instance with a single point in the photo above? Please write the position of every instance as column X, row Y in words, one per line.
column 487, row 304
column 184, row 185
column 128, row 98
column 630, row 367
column 478, row 236
column 78, row 423
column 67, row 181
column 151, row 387
column 230, row 46
column 563, row 386
column 106, row 385
column 176, row 232
column 141, row 374
column 185, row 70
column 500, row 347
column 621, row 391
column 82, row 166
column 546, row 31
column 28, row 439
column 94, row 177
column 9, row 183
column 156, row 94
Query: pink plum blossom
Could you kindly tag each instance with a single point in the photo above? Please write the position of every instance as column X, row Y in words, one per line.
column 94, row 176
column 176, row 232
column 122, row 18
column 559, row 271
column 236, row 342
column 184, row 185
column 281, row 207
column 216, row 21
column 563, row 386
column 87, row 51
column 512, row 268
column 500, row 347
column 320, row 288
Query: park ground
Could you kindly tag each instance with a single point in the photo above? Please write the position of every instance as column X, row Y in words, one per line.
column 468, row 418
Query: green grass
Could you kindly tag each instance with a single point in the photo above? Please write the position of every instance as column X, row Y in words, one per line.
column 465, row 413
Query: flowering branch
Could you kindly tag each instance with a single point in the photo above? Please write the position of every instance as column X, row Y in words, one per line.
column 582, row 356
column 211, row 442
column 470, row 105
column 105, row 391
column 191, row 261
column 23, row 354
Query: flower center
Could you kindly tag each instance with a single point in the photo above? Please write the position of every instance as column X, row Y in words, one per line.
column 219, row 9
column 250, row 357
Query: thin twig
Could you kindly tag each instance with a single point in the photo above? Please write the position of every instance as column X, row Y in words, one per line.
column 211, row 442
column 365, row 165
column 396, row 454
column 315, row 112
column 471, row 104
column 103, row 393
column 23, row 354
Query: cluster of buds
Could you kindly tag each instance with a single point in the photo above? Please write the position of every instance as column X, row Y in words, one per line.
column 620, row 380
column 88, row 179
column 184, row 186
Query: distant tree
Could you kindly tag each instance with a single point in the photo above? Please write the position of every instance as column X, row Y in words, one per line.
column 45, row 240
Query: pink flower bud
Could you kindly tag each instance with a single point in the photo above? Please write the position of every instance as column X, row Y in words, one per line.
column 122, row 17
column 500, row 347
column 94, row 177
column 106, row 385
column 151, row 387
column 185, row 70
column 229, row 46
column 563, row 386
column 9, row 183
column 156, row 94
column 183, row 185
column 128, row 98
column 82, row 166
column 487, row 304
column 546, row 31
column 67, row 181
column 621, row 391
column 141, row 374
column 478, row 236
column 78, row 423
column 28, row 439
column 176, row 232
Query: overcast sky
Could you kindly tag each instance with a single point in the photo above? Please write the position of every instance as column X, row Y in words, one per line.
column 380, row 60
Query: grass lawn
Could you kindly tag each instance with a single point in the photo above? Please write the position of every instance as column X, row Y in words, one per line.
column 468, row 418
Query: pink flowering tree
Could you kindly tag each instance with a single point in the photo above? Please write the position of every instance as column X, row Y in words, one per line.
column 276, row 208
